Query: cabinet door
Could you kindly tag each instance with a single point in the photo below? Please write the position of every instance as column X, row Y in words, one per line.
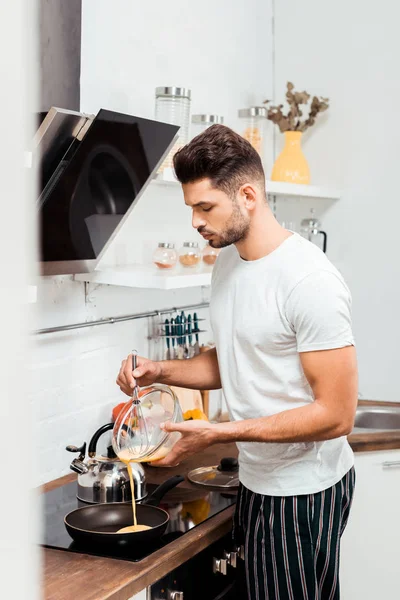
column 140, row 596
column 370, row 553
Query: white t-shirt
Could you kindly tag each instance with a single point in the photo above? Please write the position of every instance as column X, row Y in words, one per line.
column 263, row 313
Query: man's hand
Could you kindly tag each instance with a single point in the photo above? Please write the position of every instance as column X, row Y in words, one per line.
column 147, row 372
column 196, row 436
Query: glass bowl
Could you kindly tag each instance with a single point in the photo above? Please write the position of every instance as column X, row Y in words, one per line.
column 147, row 442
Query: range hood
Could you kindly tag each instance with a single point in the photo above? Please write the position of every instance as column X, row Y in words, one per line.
column 92, row 171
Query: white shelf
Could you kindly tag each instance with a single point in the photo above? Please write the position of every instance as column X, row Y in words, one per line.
column 278, row 188
column 139, row 276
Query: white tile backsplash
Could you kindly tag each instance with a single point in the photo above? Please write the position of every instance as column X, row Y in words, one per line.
column 72, row 385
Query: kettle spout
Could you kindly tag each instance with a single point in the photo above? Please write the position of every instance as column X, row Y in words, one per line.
column 78, row 466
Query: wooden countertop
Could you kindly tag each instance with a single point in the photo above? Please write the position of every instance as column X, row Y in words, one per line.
column 69, row 575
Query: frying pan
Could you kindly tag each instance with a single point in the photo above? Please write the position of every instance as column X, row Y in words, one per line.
column 98, row 524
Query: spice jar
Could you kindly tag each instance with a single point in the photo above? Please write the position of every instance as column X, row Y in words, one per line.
column 173, row 106
column 209, row 254
column 189, row 254
column 254, row 120
column 165, row 256
column 201, row 122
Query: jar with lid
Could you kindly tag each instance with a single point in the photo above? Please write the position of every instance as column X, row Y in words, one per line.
column 201, row 122
column 254, row 120
column 209, row 255
column 173, row 107
column 189, row 254
column 165, row 256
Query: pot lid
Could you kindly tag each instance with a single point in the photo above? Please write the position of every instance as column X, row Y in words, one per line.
column 222, row 476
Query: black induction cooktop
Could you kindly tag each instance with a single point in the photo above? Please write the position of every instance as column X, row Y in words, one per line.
column 184, row 516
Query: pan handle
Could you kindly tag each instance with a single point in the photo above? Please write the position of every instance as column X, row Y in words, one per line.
column 155, row 497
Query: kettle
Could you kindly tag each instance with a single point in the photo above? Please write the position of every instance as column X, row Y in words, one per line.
column 105, row 478
column 311, row 230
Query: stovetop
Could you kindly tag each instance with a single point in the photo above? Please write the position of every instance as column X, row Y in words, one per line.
column 184, row 516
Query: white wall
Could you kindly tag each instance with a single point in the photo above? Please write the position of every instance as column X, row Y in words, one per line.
column 18, row 507
column 349, row 52
column 222, row 51
column 73, row 373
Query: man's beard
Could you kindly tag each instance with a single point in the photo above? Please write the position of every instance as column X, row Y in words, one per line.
column 236, row 229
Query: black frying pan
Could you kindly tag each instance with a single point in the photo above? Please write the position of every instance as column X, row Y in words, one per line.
column 99, row 523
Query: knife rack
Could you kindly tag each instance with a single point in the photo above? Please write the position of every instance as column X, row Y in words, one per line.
column 161, row 335
column 176, row 337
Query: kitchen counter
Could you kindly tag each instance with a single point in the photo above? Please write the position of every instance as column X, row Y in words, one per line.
column 69, row 575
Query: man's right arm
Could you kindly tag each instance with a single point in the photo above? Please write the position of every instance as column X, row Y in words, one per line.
column 198, row 373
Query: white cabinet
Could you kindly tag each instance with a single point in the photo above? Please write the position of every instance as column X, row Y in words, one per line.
column 140, row 596
column 370, row 557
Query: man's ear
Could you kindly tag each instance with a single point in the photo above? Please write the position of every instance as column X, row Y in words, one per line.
column 249, row 194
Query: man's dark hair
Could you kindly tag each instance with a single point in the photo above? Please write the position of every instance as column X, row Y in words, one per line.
column 222, row 156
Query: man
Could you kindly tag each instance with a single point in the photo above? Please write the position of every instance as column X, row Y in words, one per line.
column 285, row 359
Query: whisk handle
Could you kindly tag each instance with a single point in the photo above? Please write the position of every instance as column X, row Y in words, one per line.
column 134, row 360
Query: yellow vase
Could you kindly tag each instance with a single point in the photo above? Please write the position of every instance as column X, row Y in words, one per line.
column 291, row 165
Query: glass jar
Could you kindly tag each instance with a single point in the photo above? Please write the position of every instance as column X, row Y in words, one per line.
column 173, row 107
column 253, row 130
column 189, row 254
column 165, row 257
column 209, row 254
column 201, row 122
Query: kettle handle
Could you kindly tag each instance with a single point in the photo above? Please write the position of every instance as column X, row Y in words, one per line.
column 96, row 436
column 324, row 234
column 81, row 450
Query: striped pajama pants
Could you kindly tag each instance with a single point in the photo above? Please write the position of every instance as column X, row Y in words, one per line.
column 292, row 542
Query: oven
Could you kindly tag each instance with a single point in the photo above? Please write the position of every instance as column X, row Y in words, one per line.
column 216, row 573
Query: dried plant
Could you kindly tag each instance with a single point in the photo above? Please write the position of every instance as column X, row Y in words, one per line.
column 292, row 120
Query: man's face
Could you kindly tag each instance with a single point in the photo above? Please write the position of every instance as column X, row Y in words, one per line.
column 221, row 220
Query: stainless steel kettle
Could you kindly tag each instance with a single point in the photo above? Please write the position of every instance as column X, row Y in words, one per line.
column 105, row 478
column 311, row 230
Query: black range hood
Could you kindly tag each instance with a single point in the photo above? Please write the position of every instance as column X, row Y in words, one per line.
column 92, row 171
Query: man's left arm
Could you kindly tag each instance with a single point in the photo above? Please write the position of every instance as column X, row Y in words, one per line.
column 319, row 311
column 332, row 375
